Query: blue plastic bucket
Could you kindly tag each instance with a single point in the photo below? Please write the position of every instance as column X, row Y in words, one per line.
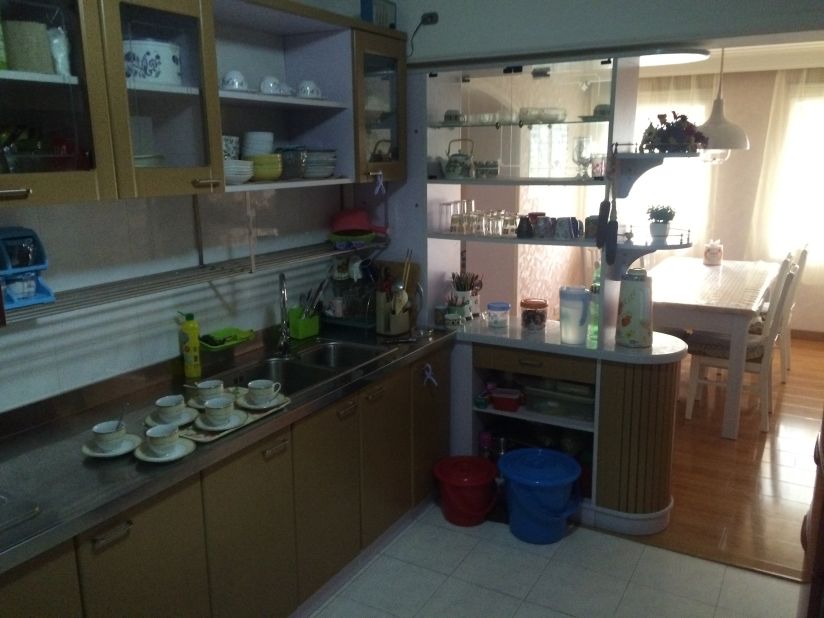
column 539, row 493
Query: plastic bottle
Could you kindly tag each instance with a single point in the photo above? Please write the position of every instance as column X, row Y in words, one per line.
column 594, row 308
column 190, row 346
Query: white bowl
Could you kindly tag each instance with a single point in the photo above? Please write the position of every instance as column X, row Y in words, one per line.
column 233, row 80
column 152, row 61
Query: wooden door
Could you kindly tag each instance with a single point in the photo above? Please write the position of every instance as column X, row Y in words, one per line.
column 46, row 586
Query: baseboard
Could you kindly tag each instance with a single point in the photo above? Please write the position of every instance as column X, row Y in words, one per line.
column 809, row 335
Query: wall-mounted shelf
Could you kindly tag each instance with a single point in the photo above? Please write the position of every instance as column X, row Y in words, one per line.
column 91, row 296
column 630, row 165
column 517, row 182
column 513, row 123
column 512, row 240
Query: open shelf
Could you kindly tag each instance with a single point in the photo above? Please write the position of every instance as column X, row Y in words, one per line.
column 43, row 78
column 235, row 97
column 143, row 86
column 297, row 183
column 91, row 296
column 525, row 414
column 517, row 182
column 513, row 240
column 512, row 123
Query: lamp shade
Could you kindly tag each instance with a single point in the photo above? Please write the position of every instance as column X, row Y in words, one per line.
column 722, row 134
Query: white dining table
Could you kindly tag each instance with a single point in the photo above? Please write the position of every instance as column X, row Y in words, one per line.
column 721, row 299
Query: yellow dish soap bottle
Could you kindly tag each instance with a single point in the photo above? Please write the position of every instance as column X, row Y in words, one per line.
column 190, row 346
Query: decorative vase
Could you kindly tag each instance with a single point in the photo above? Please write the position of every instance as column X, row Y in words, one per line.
column 659, row 230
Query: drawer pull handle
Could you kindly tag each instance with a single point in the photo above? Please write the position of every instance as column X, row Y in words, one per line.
column 375, row 395
column 529, row 362
column 99, row 543
column 15, row 194
column 276, row 449
column 347, row 411
column 202, row 183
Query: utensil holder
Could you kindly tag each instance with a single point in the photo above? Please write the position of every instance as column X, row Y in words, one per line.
column 386, row 322
column 300, row 327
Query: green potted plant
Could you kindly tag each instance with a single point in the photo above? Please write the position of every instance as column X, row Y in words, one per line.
column 660, row 217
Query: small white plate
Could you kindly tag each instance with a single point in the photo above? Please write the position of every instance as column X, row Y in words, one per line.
column 237, row 391
column 236, row 419
column 183, row 447
column 186, row 416
column 278, row 401
column 130, row 442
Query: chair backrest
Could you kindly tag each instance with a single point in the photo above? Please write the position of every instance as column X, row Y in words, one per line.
column 799, row 270
column 778, row 309
column 780, row 279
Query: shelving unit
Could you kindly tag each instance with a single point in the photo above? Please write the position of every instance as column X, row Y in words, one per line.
column 235, row 97
column 525, row 414
column 518, row 182
column 42, row 78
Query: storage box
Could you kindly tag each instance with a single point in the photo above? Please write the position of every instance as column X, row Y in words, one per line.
column 300, row 327
column 506, row 399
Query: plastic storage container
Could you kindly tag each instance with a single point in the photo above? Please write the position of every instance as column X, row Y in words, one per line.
column 539, row 493
column 506, row 399
column 533, row 313
column 468, row 490
column 497, row 314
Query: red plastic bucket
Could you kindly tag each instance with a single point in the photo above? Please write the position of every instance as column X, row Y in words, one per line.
column 468, row 490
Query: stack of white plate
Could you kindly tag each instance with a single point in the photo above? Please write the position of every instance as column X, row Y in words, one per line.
column 236, row 172
column 257, row 143
column 320, row 163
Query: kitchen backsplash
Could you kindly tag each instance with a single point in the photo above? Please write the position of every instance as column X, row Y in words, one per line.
column 93, row 243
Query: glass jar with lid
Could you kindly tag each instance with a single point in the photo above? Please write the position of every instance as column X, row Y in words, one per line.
column 533, row 313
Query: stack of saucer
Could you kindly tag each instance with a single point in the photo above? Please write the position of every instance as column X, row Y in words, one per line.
column 320, row 163
column 236, row 172
column 257, row 143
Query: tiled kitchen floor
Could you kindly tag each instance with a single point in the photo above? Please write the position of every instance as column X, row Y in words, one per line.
column 432, row 568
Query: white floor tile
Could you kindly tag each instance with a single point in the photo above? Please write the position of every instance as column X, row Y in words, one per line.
column 681, row 575
column 500, row 534
column 341, row 607
column 393, row 586
column 431, row 547
column 434, row 516
column 577, row 591
column 500, row 568
column 643, row 601
column 755, row 595
column 459, row 599
column 530, row 610
column 600, row 552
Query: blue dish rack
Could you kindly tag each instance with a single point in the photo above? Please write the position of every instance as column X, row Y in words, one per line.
column 22, row 259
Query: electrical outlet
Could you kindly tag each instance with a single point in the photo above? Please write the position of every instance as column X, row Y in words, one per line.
column 429, row 19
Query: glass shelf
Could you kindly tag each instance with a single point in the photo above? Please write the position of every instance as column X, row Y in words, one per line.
column 512, row 240
column 571, row 181
column 512, row 123
column 234, row 97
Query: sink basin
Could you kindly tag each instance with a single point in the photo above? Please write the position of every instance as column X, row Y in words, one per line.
column 293, row 376
column 15, row 510
column 342, row 354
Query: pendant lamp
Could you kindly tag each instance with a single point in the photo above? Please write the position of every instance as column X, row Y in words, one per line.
column 722, row 135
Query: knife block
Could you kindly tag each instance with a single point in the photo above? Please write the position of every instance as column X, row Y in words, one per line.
column 386, row 322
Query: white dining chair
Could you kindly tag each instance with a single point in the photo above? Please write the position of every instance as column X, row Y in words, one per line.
column 712, row 350
column 784, row 331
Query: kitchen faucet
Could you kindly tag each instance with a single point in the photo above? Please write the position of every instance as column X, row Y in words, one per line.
column 284, row 336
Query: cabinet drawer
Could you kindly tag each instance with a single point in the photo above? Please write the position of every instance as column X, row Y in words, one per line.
column 534, row 364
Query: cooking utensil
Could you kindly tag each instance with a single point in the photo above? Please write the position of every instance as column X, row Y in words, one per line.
column 611, row 239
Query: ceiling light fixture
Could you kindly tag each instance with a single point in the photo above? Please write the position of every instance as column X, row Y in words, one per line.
column 722, row 135
column 661, row 57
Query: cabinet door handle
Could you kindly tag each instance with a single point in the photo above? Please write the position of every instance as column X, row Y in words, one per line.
column 15, row 194
column 347, row 411
column 99, row 543
column 375, row 394
column 276, row 449
column 202, row 183
column 528, row 362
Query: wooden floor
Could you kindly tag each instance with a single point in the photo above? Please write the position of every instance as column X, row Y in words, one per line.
column 741, row 502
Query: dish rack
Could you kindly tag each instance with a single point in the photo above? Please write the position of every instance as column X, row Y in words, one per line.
column 22, row 258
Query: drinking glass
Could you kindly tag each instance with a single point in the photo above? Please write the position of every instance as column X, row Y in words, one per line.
column 582, row 155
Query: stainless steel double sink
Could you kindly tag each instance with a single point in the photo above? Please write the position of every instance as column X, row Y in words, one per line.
column 308, row 367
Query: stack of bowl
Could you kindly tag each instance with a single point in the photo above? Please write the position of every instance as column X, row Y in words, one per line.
column 257, row 143
column 320, row 163
column 236, row 172
column 266, row 166
column 294, row 162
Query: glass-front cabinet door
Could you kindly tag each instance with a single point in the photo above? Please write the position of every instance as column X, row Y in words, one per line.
column 54, row 120
column 163, row 99
column 380, row 106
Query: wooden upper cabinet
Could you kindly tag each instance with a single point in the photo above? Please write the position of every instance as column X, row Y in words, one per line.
column 54, row 130
column 380, row 106
column 162, row 85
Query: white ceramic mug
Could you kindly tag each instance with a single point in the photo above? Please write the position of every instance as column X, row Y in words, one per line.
column 169, row 407
column 108, row 435
column 162, row 439
column 208, row 389
column 262, row 391
column 218, row 410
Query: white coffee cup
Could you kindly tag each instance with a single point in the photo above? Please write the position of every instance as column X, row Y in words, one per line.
column 262, row 391
column 233, row 80
column 108, row 435
column 169, row 407
column 308, row 89
column 162, row 439
column 208, row 389
column 218, row 410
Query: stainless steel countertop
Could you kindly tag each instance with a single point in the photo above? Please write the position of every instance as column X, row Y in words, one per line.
column 44, row 465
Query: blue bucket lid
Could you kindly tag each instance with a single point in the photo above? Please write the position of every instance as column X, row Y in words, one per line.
column 536, row 466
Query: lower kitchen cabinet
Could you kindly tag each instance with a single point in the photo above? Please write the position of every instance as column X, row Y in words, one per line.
column 386, row 458
column 149, row 561
column 250, row 531
column 45, row 587
column 430, row 386
column 326, row 456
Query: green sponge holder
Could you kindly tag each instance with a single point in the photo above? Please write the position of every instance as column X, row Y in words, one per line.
column 303, row 327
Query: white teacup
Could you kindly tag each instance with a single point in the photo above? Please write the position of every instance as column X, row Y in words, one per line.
column 169, row 407
column 218, row 410
column 162, row 439
column 208, row 389
column 308, row 89
column 108, row 435
column 233, row 80
column 262, row 392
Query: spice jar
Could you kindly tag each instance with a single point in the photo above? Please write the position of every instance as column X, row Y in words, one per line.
column 533, row 313
column 497, row 314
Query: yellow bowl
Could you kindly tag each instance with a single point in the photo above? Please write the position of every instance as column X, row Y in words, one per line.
column 266, row 159
column 267, row 172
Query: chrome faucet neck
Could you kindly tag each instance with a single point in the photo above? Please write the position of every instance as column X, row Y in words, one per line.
column 283, row 344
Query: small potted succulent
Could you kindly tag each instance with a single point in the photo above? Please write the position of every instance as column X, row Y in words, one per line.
column 659, row 226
